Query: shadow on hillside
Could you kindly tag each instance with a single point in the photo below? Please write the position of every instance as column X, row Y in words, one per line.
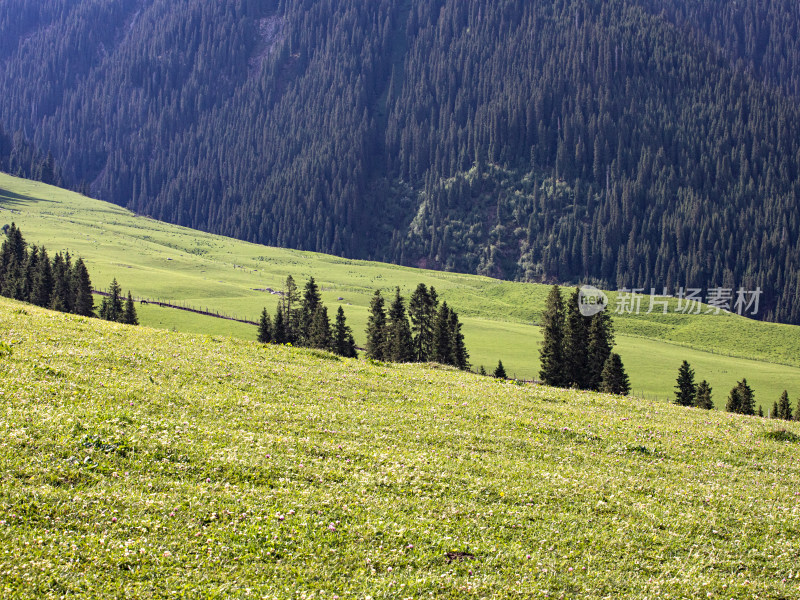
column 9, row 199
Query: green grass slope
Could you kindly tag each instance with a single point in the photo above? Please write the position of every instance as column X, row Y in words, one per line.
column 158, row 260
column 140, row 463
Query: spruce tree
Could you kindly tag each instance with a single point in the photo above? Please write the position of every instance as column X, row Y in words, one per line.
column 500, row 371
column 797, row 411
column 784, row 407
column 265, row 327
column 343, row 342
column 25, row 292
column 702, row 397
column 111, row 307
column 685, row 390
column 774, row 413
column 13, row 257
column 422, row 310
column 279, row 335
column 747, row 399
column 42, row 290
column 399, row 340
column 576, row 345
column 552, row 351
column 760, row 411
column 62, row 284
column 615, row 380
column 601, row 341
column 129, row 316
column 734, row 402
column 376, row 328
column 82, row 286
column 460, row 353
column 482, row 371
column 442, row 341
column 291, row 312
column 320, row 332
column 308, row 310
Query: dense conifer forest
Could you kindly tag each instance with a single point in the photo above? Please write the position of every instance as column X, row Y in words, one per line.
column 627, row 143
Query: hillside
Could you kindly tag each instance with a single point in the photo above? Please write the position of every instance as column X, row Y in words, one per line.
column 631, row 143
column 157, row 260
column 142, row 463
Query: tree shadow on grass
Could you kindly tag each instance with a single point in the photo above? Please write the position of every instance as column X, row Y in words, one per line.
column 10, row 200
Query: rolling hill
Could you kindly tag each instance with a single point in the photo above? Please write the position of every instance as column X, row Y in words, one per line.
column 162, row 261
column 143, row 463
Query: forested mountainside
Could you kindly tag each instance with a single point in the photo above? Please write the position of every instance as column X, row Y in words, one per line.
column 635, row 143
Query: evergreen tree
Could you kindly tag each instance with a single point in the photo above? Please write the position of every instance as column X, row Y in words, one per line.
column 343, row 342
column 774, row 413
column 615, row 380
column 129, row 316
column 760, row 411
column 308, row 310
column 60, row 299
column 13, row 257
column 460, row 353
column 400, row 343
column 576, row 345
column 552, row 352
column 320, row 332
column 422, row 310
column 702, row 397
column 601, row 341
column 111, row 307
column 500, row 371
column 291, row 312
column 279, row 335
column 25, row 292
column 265, row 328
column 442, row 340
column 482, row 371
column 376, row 328
column 785, row 407
column 42, row 289
column 797, row 411
column 685, row 390
column 742, row 401
column 82, row 285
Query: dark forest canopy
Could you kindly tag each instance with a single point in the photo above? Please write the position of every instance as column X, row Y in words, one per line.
column 631, row 144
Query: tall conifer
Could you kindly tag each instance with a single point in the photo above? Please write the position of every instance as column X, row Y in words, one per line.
column 552, row 351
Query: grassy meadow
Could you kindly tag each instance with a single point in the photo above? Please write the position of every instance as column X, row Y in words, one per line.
column 162, row 261
column 141, row 463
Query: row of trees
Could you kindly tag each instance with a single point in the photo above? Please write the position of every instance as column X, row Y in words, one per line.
column 304, row 321
column 576, row 350
column 29, row 275
column 425, row 331
column 741, row 399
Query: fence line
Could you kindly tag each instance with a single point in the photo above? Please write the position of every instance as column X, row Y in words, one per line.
column 206, row 313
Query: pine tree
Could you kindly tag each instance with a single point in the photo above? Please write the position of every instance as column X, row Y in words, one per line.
column 291, row 312
column 702, row 397
column 734, row 401
column 129, row 316
column 400, row 343
column 742, row 400
column 82, row 285
column 265, row 328
column 343, row 342
column 320, row 332
column 601, row 341
column 376, row 328
column 785, row 407
column 442, row 341
column 111, row 307
column 308, row 310
column 460, row 353
column 552, row 352
column 422, row 310
column 43, row 281
column 500, row 371
column 685, row 390
column 615, row 380
column 279, row 335
column 576, row 345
